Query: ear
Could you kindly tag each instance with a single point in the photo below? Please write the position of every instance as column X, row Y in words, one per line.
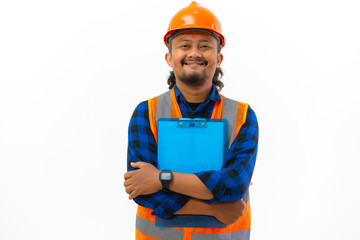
column 168, row 59
column 219, row 59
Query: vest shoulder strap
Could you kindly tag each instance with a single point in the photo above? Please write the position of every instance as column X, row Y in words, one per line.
column 152, row 105
column 163, row 109
column 235, row 113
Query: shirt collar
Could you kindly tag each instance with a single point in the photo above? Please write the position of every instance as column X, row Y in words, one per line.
column 213, row 96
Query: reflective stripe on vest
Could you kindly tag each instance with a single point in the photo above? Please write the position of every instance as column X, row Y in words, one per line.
column 166, row 106
column 149, row 228
column 163, row 108
column 239, row 235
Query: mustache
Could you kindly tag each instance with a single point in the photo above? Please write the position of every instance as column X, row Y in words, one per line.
column 199, row 60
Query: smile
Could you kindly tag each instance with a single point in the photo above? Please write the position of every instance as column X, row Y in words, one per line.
column 194, row 63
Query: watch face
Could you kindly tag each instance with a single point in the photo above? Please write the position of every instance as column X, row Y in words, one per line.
column 166, row 176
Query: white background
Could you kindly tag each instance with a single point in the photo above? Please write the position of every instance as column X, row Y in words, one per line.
column 72, row 72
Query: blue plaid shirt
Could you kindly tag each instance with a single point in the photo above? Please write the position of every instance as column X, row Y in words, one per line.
column 228, row 184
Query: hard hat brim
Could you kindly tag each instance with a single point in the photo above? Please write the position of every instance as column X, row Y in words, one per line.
column 170, row 36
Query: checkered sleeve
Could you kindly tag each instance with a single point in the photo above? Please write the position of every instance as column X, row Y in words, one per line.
column 142, row 147
column 232, row 181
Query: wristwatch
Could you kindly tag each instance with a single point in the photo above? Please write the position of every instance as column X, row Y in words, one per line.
column 165, row 176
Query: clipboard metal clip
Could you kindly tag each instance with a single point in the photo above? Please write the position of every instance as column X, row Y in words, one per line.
column 197, row 123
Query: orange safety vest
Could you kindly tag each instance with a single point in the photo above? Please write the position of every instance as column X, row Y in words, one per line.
column 166, row 106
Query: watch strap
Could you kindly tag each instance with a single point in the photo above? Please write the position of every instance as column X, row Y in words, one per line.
column 164, row 182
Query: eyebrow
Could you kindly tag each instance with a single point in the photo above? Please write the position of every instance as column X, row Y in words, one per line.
column 184, row 40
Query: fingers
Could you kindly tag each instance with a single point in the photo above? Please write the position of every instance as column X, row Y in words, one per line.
column 132, row 195
column 130, row 189
column 127, row 182
column 128, row 175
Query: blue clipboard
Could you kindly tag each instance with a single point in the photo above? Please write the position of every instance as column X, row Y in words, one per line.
column 191, row 145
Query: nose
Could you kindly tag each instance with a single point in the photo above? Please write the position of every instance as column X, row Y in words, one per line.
column 194, row 53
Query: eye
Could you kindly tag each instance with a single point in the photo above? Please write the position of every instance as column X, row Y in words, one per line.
column 184, row 46
column 205, row 46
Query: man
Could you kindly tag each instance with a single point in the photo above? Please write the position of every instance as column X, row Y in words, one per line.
column 194, row 40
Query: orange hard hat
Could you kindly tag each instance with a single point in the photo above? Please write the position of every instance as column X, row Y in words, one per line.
column 195, row 16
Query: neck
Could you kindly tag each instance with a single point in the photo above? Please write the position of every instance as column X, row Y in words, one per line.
column 194, row 94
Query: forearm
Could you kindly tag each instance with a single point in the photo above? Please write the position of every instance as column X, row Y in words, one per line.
column 190, row 185
column 225, row 212
column 183, row 187
column 196, row 207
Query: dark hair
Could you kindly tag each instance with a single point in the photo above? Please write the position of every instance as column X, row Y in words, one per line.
column 216, row 79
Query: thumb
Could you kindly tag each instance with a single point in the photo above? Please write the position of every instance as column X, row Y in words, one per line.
column 137, row 164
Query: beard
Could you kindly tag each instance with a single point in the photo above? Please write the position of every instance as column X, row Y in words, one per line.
column 194, row 79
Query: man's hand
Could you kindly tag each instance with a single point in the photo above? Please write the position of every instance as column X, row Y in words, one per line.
column 228, row 212
column 143, row 181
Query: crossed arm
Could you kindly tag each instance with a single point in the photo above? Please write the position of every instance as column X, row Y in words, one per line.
column 208, row 193
column 145, row 181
